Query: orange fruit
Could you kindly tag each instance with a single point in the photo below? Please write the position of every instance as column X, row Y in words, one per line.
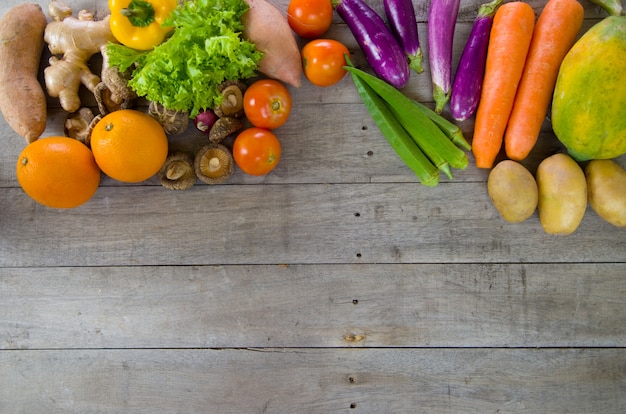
column 129, row 145
column 58, row 172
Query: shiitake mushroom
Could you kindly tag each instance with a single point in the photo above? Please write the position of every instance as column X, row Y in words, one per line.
column 232, row 99
column 178, row 172
column 80, row 124
column 77, row 125
column 223, row 127
column 214, row 164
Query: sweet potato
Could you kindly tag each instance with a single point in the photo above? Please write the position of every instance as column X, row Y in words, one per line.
column 22, row 97
column 268, row 29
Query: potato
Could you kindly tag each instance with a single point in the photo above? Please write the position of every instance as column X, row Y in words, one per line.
column 562, row 194
column 513, row 191
column 606, row 185
column 22, row 98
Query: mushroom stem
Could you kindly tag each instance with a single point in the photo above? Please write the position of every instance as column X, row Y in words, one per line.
column 214, row 164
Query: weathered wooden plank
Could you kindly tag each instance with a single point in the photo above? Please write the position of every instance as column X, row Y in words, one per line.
column 316, row 148
column 334, row 284
column 349, row 149
column 465, row 305
column 315, row 381
column 293, row 224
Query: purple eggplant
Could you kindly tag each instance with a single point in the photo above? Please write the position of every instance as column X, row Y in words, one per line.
column 381, row 49
column 401, row 16
column 441, row 24
column 468, row 80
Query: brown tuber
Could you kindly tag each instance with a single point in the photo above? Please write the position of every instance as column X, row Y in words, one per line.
column 22, row 98
column 214, row 164
column 281, row 55
column 76, row 40
column 178, row 172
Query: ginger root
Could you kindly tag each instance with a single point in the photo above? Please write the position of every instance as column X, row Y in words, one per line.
column 77, row 39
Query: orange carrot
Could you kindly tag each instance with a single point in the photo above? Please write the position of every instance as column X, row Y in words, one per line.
column 509, row 41
column 555, row 33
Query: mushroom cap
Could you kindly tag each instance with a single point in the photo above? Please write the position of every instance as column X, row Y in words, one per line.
column 178, row 172
column 232, row 103
column 223, row 127
column 214, row 164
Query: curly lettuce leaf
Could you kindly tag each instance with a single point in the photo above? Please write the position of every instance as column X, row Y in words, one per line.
column 206, row 48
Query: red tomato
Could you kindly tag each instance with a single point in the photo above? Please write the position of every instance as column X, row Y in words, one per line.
column 310, row 18
column 323, row 61
column 256, row 151
column 267, row 104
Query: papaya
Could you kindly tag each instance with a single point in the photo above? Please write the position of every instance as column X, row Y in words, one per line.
column 589, row 102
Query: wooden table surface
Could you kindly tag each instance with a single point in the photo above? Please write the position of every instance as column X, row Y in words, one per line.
column 335, row 284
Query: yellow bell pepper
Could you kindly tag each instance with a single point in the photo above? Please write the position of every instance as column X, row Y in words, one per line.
column 138, row 23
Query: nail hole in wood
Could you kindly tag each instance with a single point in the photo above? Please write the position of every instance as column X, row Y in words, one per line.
column 353, row 405
column 355, row 301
